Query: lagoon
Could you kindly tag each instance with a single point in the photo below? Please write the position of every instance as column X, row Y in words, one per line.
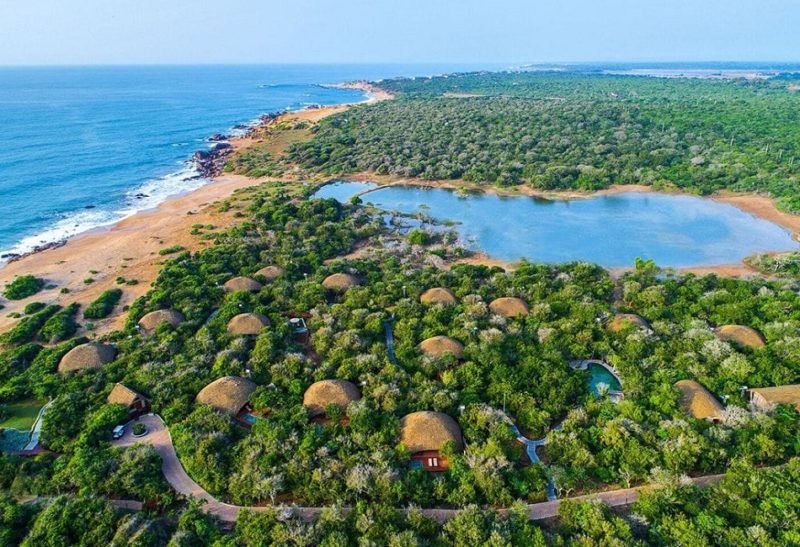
column 611, row 230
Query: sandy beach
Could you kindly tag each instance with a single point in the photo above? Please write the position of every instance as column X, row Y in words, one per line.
column 130, row 248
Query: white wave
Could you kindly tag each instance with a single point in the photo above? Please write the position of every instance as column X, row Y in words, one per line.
column 147, row 196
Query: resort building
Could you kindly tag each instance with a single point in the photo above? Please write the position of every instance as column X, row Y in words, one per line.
column 136, row 403
column 509, row 307
column 439, row 346
column 741, row 335
column 92, row 355
column 242, row 284
column 340, row 282
column 230, row 395
column 698, row 402
column 299, row 330
column 767, row 398
column 151, row 321
column 622, row 321
column 320, row 395
column 424, row 434
column 439, row 295
column 271, row 273
column 247, row 324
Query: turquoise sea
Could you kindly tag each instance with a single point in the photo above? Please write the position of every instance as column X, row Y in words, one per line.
column 82, row 147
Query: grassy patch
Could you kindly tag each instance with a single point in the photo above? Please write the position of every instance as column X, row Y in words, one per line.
column 20, row 415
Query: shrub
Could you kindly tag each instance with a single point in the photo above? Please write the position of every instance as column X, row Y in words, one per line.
column 23, row 287
column 33, row 307
column 61, row 325
column 172, row 250
column 103, row 305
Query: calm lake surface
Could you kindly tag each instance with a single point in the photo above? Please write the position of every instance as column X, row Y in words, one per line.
column 612, row 230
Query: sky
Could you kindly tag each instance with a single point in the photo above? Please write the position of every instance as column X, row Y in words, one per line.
column 56, row 32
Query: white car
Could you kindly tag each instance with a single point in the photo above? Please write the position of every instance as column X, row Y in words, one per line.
column 118, row 432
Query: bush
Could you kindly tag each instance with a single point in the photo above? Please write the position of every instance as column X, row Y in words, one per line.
column 33, row 307
column 103, row 305
column 61, row 325
column 23, row 287
column 139, row 429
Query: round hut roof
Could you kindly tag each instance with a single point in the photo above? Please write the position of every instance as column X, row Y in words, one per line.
column 698, row 402
column 329, row 392
column 247, row 324
column 421, row 431
column 744, row 336
column 509, row 306
column 228, row 394
column 242, row 284
column 271, row 273
column 624, row 320
column 87, row 356
column 441, row 345
column 340, row 282
column 438, row 295
column 152, row 320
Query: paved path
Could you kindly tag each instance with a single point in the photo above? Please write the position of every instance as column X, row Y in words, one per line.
column 37, row 429
column 159, row 438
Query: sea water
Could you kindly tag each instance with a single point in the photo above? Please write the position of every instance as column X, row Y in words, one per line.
column 82, row 147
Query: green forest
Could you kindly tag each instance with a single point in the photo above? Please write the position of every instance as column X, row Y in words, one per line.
column 557, row 131
column 550, row 131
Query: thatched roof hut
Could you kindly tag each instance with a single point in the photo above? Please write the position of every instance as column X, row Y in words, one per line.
column 246, row 324
column 242, row 284
column 739, row 334
column 123, row 395
column 767, row 398
column 698, row 402
column 228, row 394
column 340, row 282
column 439, row 346
column 438, row 295
column 329, row 392
column 509, row 306
column 422, row 431
column 622, row 321
column 271, row 273
column 152, row 320
column 87, row 356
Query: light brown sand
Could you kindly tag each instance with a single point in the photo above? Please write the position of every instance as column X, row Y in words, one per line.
column 128, row 248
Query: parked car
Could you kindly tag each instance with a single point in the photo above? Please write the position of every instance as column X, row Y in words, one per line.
column 118, row 432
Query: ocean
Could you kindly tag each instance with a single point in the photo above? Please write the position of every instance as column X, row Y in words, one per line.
column 83, row 147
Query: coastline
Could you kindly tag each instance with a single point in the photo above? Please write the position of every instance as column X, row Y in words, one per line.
column 130, row 247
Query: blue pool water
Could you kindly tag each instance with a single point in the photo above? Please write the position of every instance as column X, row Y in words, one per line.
column 598, row 374
column 78, row 144
column 610, row 230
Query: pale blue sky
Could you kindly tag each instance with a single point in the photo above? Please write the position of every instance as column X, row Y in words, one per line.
column 357, row 31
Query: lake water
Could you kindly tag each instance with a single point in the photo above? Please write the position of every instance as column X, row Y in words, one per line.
column 610, row 230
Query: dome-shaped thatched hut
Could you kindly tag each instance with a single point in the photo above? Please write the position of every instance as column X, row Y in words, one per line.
column 340, row 282
column 424, row 431
column 247, row 324
column 242, row 284
column 509, row 306
column 152, row 320
column 438, row 295
column 227, row 394
column 698, row 402
column 739, row 334
column 271, row 273
column 438, row 346
column 87, row 356
column 623, row 321
column 329, row 392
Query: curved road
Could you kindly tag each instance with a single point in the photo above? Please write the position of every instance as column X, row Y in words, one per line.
column 159, row 438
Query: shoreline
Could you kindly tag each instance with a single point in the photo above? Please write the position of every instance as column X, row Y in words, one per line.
column 129, row 248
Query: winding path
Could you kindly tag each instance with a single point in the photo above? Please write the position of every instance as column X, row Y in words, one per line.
column 159, row 438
